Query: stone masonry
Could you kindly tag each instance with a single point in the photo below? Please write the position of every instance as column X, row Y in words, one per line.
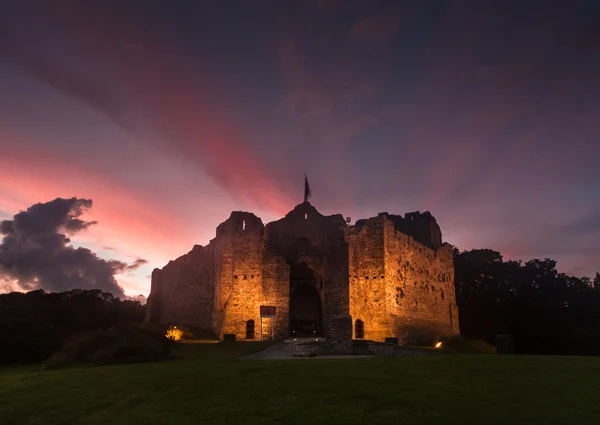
column 387, row 276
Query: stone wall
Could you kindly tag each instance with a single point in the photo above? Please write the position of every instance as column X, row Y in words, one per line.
column 421, row 226
column 420, row 297
column 238, row 291
column 336, row 295
column 304, row 232
column 182, row 292
column 367, row 286
column 276, row 292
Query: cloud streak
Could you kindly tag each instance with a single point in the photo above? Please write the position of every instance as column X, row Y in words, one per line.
column 164, row 98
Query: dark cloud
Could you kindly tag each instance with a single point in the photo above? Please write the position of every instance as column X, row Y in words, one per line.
column 35, row 250
column 136, row 265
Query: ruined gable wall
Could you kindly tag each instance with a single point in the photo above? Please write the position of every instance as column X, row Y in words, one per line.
column 182, row 292
column 367, row 286
column 304, row 223
column 238, row 291
column 305, row 235
column 420, row 298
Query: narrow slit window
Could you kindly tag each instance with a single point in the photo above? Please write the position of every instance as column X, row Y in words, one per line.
column 306, row 216
column 244, row 225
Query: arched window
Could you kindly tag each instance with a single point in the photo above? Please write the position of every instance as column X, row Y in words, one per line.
column 359, row 329
column 250, row 329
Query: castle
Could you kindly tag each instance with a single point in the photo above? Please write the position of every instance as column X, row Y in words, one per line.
column 315, row 275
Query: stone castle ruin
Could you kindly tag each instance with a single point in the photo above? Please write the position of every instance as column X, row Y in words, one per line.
column 313, row 275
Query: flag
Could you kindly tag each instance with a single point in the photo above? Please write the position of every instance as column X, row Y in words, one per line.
column 306, row 189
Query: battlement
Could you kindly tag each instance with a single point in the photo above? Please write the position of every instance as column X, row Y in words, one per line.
column 421, row 226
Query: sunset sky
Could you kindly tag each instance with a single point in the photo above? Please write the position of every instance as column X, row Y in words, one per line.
column 168, row 115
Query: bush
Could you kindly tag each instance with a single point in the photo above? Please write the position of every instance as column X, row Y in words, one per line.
column 119, row 344
column 175, row 333
column 412, row 335
column 185, row 332
column 34, row 325
column 460, row 344
column 27, row 341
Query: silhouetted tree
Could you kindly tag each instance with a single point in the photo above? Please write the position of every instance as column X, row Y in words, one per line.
column 545, row 311
column 34, row 324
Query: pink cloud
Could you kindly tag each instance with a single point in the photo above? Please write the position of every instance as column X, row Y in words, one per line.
column 128, row 222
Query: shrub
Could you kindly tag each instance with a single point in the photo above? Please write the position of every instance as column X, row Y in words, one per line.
column 411, row 335
column 119, row 344
column 182, row 332
column 174, row 333
column 25, row 341
column 460, row 344
column 34, row 325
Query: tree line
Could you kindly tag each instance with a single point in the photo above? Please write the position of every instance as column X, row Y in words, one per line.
column 33, row 325
column 545, row 312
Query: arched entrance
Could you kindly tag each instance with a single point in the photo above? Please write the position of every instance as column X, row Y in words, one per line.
column 306, row 307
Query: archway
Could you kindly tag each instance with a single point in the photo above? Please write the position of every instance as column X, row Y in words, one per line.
column 359, row 329
column 305, row 312
column 306, row 306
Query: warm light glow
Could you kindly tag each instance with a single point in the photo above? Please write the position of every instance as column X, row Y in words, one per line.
column 438, row 345
column 174, row 333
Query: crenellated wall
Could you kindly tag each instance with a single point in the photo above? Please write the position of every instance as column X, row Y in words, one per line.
column 421, row 226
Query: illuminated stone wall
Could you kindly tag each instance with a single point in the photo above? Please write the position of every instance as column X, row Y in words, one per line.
column 420, row 296
column 238, row 290
column 276, row 293
column 399, row 287
column 367, row 278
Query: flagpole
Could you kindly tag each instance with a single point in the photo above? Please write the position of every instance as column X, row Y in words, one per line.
column 305, row 180
column 306, row 188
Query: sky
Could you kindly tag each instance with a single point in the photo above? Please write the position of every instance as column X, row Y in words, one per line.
column 153, row 120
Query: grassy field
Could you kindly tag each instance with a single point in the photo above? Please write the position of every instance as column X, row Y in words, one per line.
column 208, row 385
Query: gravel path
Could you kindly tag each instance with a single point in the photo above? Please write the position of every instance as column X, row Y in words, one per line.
column 287, row 350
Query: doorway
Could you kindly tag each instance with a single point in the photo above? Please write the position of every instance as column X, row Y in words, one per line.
column 306, row 308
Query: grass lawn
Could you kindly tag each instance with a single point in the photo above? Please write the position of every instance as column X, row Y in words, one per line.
column 209, row 386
